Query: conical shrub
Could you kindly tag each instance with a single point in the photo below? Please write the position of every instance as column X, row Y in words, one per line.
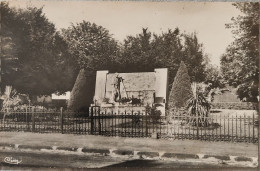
column 83, row 91
column 181, row 89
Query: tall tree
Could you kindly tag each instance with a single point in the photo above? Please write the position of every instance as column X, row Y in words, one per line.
column 194, row 57
column 32, row 57
column 92, row 46
column 168, row 51
column 9, row 47
column 94, row 49
column 213, row 77
column 239, row 64
column 136, row 52
column 147, row 51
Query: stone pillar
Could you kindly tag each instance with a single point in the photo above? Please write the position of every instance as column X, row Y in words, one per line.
column 161, row 83
column 161, row 87
column 100, row 87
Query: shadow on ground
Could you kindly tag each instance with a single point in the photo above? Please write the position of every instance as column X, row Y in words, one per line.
column 165, row 164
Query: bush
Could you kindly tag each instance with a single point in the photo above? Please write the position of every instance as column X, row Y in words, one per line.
column 181, row 88
column 136, row 101
column 153, row 113
column 125, row 100
column 198, row 106
column 83, row 91
column 106, row 100
column 11, row 99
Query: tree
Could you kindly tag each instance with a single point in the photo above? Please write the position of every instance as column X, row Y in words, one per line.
column 146, row 51
column 239, row 64
column 181, row 88
column 213, row 81
column 167, row 51
column 213, row 77
column 8, row 47
column 66, row 67
column 91, row 46
column 194, row 57
column 32, row 54
column 136, row 53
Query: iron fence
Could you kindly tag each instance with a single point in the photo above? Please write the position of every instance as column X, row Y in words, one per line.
column 229, row 127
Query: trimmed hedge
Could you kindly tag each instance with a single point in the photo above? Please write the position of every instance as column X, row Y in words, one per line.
column 181, row 89
column 83, row 91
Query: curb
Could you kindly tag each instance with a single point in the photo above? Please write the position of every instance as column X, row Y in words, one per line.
column 243, row 159
column 34, row 147
column 123, row 152
column 67, row 149
column 6, row 146
column 217, row 157
column 96, row 151
column 148, row 154
column 129, row 153
column 180, row 156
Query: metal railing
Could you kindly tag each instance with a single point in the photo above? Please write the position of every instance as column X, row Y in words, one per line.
column 229, row 127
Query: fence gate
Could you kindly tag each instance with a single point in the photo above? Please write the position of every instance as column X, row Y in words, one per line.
column 123, row 124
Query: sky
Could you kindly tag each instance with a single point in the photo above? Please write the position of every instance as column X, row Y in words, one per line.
column 125, row 18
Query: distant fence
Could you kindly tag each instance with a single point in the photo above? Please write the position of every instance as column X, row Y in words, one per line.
column 233, row 127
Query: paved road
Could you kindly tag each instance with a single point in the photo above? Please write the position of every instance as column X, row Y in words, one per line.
column 40, row 160
column 132, row 144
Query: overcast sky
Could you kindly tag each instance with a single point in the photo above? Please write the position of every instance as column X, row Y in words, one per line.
column 208, row 19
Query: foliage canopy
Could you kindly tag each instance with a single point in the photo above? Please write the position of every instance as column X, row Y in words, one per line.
column 34, row 57
column 239, row 64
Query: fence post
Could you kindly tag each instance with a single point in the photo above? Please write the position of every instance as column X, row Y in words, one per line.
column 27, row 121
column 197, row 123
column 253, row 139
column 146, row 127
column 33, row 120
column 61, row 119
column 99, row 122
column 92, row 122
column 196, row 112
